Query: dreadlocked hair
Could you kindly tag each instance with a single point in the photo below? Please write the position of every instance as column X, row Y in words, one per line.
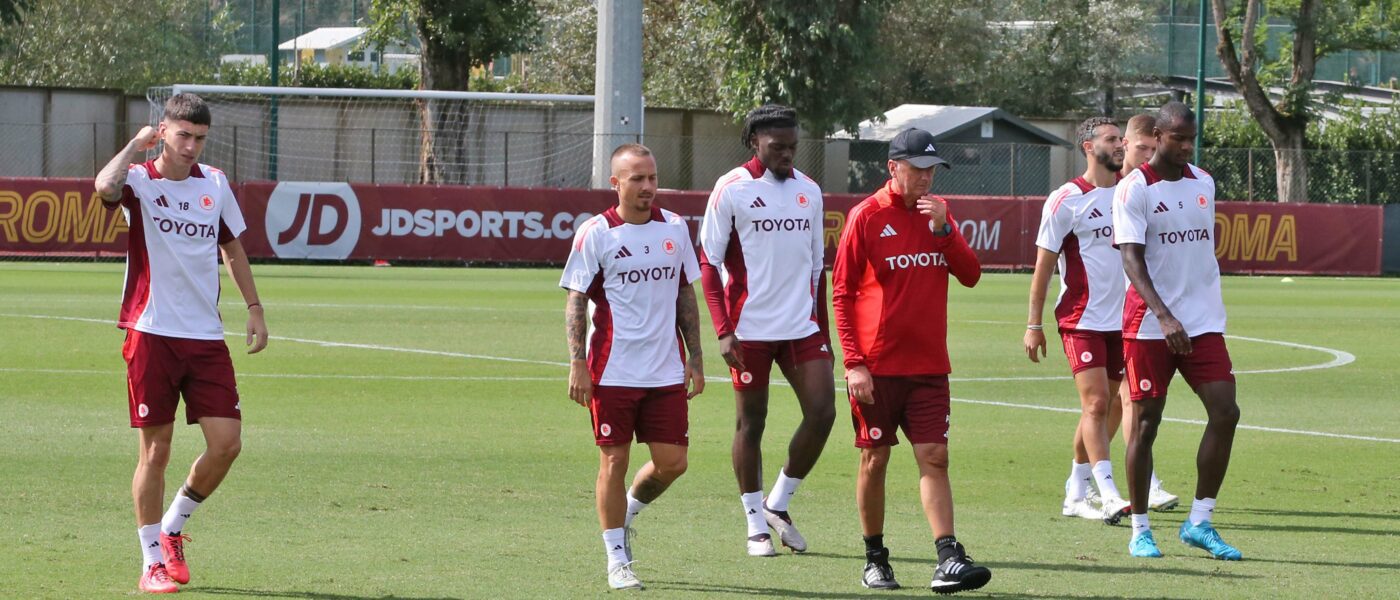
column 763, row 118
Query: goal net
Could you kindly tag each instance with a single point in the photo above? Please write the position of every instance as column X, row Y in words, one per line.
column 395, row 136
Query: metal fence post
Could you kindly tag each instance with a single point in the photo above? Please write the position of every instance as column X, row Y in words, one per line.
column 1249, row 174
column 1013, row 169
column 373, row 138
column 95, row 168
column 505, row 160
column 236, row 149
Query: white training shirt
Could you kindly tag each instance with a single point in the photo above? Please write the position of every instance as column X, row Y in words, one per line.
column 1077, row 223
column 765, row 235
column 632, row 274
column 172, row 261
column 1175, row 220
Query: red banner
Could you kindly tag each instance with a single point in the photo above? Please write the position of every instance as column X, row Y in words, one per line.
column 336, row 221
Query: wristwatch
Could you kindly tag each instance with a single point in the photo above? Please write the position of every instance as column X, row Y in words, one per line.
column 947, row 229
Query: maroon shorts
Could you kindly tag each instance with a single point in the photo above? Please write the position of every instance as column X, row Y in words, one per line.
column 919, row 404
column 1093, row 350
column 760, row 356
column 1151, row 364
column 658, row 415
column 160, row 369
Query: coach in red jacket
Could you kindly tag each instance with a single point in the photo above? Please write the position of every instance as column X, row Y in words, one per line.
column 891, row 297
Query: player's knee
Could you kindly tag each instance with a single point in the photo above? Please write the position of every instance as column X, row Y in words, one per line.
column 1096, row 406
column 672, row 469
column 932, row 456
column 749, row 429
column 155, row 455
column 226, row 451
column 1225, row 414
column 823, row 414
column 874, row 461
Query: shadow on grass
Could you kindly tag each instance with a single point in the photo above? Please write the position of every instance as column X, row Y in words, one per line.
column 1307, row 529
column 1313, row 513
column 1323, row 563
column 1080, row 567
column 855, row 591
column 302, row 595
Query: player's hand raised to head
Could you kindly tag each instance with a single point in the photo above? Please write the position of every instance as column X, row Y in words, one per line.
column 694, row 377
column 147, row 139
column 1177, row 340
column 1034, row 339
column 257, row 330
column 580, row 383
column 860, row 385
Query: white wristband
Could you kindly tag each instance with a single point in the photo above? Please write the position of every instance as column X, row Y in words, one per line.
column 1035, row 327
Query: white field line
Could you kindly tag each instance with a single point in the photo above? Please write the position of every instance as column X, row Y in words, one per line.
column 1340, row 358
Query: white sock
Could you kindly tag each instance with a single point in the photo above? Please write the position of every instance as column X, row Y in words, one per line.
column 1140, row 524
column 753, row 512
column 634, row 508
column 615, row 542
column 180, row 509
column 1156, row 483
column 150, row 545
column 1201, row 510
column 1077, row 484
column 783, row 489
column 1103, row 476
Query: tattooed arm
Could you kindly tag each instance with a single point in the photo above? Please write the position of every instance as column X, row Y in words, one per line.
column 112, row 177
column 576, row 327
column 688, row 321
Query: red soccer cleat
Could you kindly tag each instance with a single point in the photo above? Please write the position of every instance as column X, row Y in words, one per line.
column 157, row 581
column 172, row 549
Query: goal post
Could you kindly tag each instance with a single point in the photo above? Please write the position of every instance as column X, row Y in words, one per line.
column 395, row 136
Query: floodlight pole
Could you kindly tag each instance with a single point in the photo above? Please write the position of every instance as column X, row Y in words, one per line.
column 617, row 112
column 1200, row 86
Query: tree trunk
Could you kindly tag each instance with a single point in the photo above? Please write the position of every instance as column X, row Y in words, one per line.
column 442, row 156
column 1292, row 167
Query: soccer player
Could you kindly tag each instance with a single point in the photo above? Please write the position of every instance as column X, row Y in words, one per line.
column 1076, row 232
column 632, row 267
column 1139, row 145
column 1138, row 148
column 181, row 215
column 1174, row 320
column 762, row 259
column 890, row 292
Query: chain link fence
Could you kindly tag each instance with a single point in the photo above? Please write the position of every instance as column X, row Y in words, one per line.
column 391, row 155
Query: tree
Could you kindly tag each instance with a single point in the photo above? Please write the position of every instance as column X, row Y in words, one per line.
column 457, row 36
column 133, row 45
column 815, row 55
column 1318, row 29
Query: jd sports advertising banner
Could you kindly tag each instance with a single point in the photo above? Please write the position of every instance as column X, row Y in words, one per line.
column 335, row 221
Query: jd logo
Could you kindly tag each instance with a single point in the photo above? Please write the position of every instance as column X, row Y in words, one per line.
column 313, row 220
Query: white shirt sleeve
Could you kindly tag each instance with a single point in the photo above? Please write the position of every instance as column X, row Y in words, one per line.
column 583, row 264
column 229, row 212
column 1056, row 221
column 716, row 227
column 818, row 240
column 1130, row 211
column 690, row 265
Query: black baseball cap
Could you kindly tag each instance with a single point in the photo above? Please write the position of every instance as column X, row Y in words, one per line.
column 916, row 146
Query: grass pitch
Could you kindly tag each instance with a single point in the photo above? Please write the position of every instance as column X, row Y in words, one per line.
column 408, row 435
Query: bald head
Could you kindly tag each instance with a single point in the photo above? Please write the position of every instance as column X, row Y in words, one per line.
column 1173, row 115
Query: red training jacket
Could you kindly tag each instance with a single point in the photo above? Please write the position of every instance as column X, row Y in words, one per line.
column 890, row 287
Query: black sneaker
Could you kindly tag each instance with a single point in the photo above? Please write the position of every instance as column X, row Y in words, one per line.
column 959, row 573
column 879, row 575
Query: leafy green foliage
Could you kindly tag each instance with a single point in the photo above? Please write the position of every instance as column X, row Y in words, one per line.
column 457, row 35
column 123, row 44
column 815, row 55
column 314, row 75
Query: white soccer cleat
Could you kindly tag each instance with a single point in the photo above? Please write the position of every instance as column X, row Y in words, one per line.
column 1081, row 509
column 1114, row 509
column 1161, row 500
column 621, row 577
column 787, row 532
column 763, row 546
column 1091, row 494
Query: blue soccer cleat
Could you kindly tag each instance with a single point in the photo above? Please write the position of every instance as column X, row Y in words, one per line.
column 1202, row 535
column 1144, row 545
